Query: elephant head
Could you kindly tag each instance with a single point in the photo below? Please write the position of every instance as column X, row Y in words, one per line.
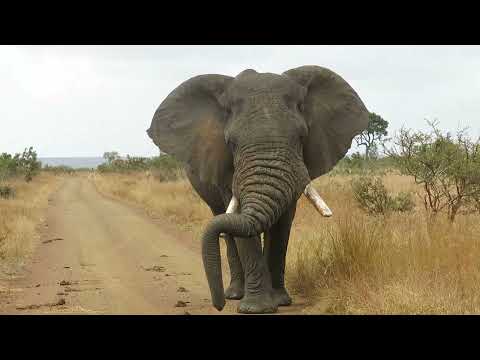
column 264, row 135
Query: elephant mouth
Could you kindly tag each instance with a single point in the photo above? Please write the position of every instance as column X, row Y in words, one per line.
column 310, row 193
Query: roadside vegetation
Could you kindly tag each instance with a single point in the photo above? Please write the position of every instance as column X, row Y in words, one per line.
column 404, row 238
column 24, row 192
column 23, row 165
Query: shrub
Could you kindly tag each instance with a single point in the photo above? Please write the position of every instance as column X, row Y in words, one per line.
column 403, row 202
column 25, row 164
column 372, row 196
column 8, row 165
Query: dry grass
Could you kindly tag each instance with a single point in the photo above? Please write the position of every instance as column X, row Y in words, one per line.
column 20, row 216
column 351, row 263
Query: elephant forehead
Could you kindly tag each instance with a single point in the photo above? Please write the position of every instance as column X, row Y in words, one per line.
column 254, row 83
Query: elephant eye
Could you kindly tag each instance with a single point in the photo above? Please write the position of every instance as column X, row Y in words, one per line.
column 300, row 107
column 231, row 144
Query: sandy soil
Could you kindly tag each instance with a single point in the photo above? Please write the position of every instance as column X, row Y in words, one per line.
column 99, row 256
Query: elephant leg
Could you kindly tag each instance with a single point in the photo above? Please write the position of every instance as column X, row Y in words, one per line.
column 258, row 289
column 275, row 252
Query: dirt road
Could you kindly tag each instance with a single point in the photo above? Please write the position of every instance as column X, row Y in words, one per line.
column 100, row 256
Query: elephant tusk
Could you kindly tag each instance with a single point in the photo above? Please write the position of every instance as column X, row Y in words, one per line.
column 317, row 201
column 233, row 206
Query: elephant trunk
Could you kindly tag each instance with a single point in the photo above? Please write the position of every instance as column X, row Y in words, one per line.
column 234, row 224
column 266, row 181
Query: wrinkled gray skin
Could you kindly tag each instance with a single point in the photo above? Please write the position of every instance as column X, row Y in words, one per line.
column 262, row 137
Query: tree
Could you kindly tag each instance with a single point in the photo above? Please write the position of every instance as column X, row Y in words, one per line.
column 111, row 156
column 447, row 167
column 373, row 134
column 29, row 163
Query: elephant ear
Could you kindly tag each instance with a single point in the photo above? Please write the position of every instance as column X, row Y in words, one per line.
column 189, row 125
column 335, row 114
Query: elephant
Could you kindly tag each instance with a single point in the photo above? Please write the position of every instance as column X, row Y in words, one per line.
column 257, row 139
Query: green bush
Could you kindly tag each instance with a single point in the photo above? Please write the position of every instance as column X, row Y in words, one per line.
column 403, row 202
column 8, row 165
column 25, row 164
column 372, row 196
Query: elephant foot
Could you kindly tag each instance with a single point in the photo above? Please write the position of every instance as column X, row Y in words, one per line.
column 235, row 291
column 281, row 297
column 257, row 304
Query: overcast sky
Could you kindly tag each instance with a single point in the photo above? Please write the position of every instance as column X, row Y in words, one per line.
column 85, row 100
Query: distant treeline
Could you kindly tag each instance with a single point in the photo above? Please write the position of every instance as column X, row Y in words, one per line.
column 357, row 164
column 61, row 169
column 350, row 164
column 163, row 167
